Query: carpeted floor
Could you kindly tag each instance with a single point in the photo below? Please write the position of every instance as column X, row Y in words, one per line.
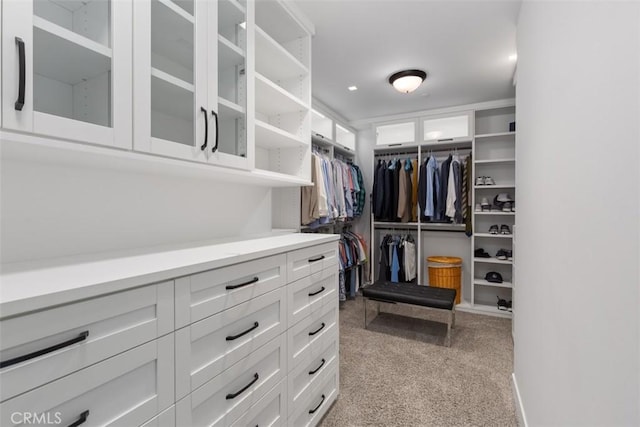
column 398, row 372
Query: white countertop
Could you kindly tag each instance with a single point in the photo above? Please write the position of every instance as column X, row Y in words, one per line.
column 32, row 286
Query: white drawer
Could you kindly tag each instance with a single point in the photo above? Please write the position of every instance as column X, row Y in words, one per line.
column 310, row 293
column 305, row 377
column 306, row 339
column 310, row 412
column 208, row 347
column 166, row 418
column 80, row 334
column 304, row 262
column 270, row 411
column 229, row 395
column 125, row 390
column 201, row 295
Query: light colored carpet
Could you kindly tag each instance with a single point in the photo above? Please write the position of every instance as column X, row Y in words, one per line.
column 398, row 372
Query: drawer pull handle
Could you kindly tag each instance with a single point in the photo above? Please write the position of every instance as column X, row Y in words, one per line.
column 311, row 411
column 81, row 420
column 239, row 392
column 316, row 331
column 83, row 336
column 318, row 368
column 254, row 280
column 316, row 292
column 320, row 258
column 233, row 337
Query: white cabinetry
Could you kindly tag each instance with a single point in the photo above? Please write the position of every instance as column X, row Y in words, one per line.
column 67, row 69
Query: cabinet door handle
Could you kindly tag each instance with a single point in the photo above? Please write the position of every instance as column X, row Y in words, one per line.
column 318, row 368
column 321, row 257
column 239, row 392
column 317, row 330
column 234, row 337
column 215, row 116
column 81, row 420
column 22, row 73
column 83, row 336
column 311, row 294
column 254, row 280
column 206, row 129
column 311, row 411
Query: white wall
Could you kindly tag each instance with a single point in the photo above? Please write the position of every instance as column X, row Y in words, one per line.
column 49, row 210
column 577, row 359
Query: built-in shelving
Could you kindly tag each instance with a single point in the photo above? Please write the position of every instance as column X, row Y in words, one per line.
column 495, row 213
column 492, row 161
column 230, row 109
column 70, row 37
column 275, row 61
column 495, row 135
column 494, row 236
column 483, row 282
column 483, row 309
column 270, row 137
column 497, row 186
column 493, row 261
column 271, row 99
column 232, row 10
column 229, row 55
column 171, row 96
column 169, row 79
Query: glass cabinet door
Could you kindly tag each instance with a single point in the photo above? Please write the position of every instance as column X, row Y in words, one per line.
column 171, row 111
column 228, row 53
column 68, row 72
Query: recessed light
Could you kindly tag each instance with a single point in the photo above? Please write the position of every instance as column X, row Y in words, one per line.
column 513, row 57
column 352, row 88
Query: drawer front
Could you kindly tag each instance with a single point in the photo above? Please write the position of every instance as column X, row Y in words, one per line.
column 208, row 347
column 306, row 376
column 306, row 338
column 311, row 293
column 270, row 411
column 225, row 398
column 125, row 390
column 166, row 418
column 77, row 335
column 304, row 262
column 310, row 412
column 204, row 294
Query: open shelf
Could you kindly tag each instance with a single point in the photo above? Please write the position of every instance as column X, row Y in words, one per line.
column 229, row 109
column 274, row 61
column 496, row 236
column 492, row 261
column 483, row 282
column 271, row 99
column 280, row 177
column 494, row 213
column 489, row 187
column 483, row 309
column 387, row 224
column 269, row 136
column 229, row 54
column 489, row 161
column 63, row 59
column 495, row 135
column 277, row 21
column 231, row 10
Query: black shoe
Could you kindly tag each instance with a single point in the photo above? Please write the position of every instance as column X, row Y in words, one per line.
column 509, row 255
column 481, row 253
column 494, row 229
column 509, row 306
column 504, row 229
column 503, row 304
column 502, row 255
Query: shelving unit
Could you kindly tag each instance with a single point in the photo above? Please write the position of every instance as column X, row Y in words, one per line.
column 494, row 156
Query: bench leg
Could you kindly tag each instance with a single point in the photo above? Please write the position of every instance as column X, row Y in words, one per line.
column 364, row 301
column 447, row 340
column 453, row 323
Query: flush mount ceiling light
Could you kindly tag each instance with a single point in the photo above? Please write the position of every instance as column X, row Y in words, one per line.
column 408, row 80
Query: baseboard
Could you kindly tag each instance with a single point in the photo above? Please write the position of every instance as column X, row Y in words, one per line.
column 522, row 418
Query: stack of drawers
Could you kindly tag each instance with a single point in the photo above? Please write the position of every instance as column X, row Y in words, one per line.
column 254, row 343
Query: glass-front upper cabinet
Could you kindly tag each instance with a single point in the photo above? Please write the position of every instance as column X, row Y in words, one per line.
column 67, row 69
column 171, row 112
column 228, row 36
column 447, row 127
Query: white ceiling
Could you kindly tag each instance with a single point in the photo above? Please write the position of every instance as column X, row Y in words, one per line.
column 464, row 46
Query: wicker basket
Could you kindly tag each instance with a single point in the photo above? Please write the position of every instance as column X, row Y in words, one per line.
column 445, row 272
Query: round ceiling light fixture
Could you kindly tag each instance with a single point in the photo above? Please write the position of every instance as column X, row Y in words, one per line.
column 408, row 80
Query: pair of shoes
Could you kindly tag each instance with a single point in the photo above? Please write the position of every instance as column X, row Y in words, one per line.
column 485, row 180
column 504, row 305
column 504, row 254
column 505, row 202
column 484, row 205
column 478, row 207
column 504, row 229
column 481, row 253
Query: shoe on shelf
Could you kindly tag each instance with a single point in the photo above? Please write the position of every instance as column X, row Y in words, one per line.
column 506, row 207
column 480, row 180
column 503, row 304
column 504, row 229
column 501, row 255
column 495, row 208
column 478, row 207
column 493, row 229
column 489, row 181
column 481, row 253
column 485, row 205
column 509, row 306
column 509, row 255
column 513, row 207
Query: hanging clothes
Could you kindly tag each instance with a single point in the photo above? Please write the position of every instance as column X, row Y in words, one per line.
column 468, row 185
column 404, row 192
column 352, row 251
column 414, row 190
column 397, row 259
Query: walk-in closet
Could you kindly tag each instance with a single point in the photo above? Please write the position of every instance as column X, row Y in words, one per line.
column 319, row 213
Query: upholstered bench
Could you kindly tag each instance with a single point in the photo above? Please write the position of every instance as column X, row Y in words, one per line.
column 407, row 293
